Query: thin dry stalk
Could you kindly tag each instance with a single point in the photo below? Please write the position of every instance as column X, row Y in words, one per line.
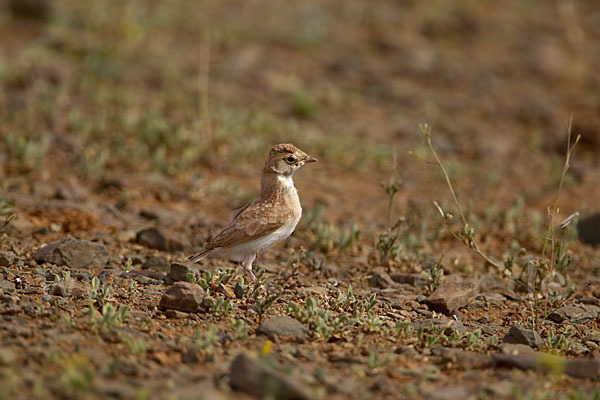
column 565, row 169
column 468, row 233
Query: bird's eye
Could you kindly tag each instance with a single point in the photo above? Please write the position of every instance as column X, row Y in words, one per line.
column 290, row 160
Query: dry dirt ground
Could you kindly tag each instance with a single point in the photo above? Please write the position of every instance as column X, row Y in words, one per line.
column 129, row 130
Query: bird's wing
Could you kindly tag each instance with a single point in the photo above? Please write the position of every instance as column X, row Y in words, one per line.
column 252, row 222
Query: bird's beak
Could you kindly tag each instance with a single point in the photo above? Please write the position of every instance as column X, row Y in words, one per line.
column 310, row 160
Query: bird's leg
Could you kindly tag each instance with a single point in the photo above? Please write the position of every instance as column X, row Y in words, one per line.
column 247, row 265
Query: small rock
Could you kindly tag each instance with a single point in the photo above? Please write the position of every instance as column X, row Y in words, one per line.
column 380, row 279
column 515, row 348
column 59, row 289
column 457, row 392
column 7, row 356
column 183, row 296
column 174, row 314
column 50, row 276
column 7, row 258
column 238, row 290
column 500, row 390
column 588, row 230
column 179, row 271
column 451, row 295
column 408, row 351
column 575, row 313
column 156, row 264
column 75, row 253
column 155, row 238
column 252, row 376
column 583, row 368
column 282, row 325
column 521, row 335
column 410, row 279
column 6, row 286
column 521, row 361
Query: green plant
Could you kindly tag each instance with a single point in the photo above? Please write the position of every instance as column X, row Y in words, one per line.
column 207, row 340
column 110, row 316
column 240, row 329
column 325, row 323
column 77, row 375
column 558, row 342
column 434, row 276
column 7, row 211
column 375, row 361
column 264, row 296
column 473, row 337
column 219, row 305
column 137, row 347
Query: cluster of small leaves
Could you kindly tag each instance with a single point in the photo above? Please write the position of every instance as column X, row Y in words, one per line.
column 137, row 347
column 329, row 319
column 325, row 323
column 207, row 341
column 219, row 305
column 559, row 342
column 240, row 328
column 110, row 316
column 210, row 282
column 7, row 211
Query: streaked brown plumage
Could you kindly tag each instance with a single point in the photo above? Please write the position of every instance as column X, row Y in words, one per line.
column 268, row 220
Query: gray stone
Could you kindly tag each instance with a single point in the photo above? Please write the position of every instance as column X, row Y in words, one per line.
column 380, row 279
column 583, row 368
column 410, row 279
column 155, row 238
column 7, row 258
column 156, row 264
column 456, row 392
column 6, row 286
column 451, row 295
column 575, row 313
column 74, row 253
column 254, row 377
column 183, row 296
column 179, row 271
column 408, row 351
column 7, row 356
column 521, row 335
column 59, row 289
column 588, row 230
column 282, row 326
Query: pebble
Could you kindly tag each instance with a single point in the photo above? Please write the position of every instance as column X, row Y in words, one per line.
column 520, row 335
column 282, row 326
column 7, row 258
column 451, row 295
column 254, row 377
column 183, row 296
column 75, row 253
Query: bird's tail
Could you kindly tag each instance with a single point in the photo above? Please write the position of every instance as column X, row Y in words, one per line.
column 199, row 256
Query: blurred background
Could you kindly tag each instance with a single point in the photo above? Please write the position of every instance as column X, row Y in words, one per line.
column 196, row 93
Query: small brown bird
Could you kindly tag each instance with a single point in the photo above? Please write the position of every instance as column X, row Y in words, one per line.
column 268, row 220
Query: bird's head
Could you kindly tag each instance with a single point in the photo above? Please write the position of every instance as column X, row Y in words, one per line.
column 285, row 159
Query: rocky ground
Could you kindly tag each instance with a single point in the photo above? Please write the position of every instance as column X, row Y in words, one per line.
column 130, row 130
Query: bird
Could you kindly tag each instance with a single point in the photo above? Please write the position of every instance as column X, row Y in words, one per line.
column 266, row 221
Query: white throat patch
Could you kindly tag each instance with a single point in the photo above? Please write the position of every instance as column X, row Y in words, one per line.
column 286, row 181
